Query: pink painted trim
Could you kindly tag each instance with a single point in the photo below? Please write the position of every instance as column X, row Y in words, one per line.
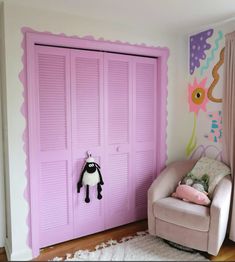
column 162, row 113
column 88, row 42
column 24, row 111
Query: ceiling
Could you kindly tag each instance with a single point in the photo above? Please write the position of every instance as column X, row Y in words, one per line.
column 159, row 15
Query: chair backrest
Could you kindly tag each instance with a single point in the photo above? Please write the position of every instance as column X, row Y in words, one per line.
column 208, row 151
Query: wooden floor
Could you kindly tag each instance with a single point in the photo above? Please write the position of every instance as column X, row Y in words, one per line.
column 227, row 252
column 2, row 255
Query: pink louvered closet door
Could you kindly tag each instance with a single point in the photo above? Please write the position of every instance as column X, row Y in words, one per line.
column 100, row 102
column 145, row 130
column 87, row 135
column 52, row 144
column 118, row 142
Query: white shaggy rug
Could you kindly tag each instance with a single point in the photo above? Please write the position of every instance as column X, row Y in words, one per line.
column 142, row 247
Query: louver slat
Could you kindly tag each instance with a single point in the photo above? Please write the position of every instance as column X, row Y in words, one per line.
column 145, row 102
column 87, row 75
column 53, row 135
column 118, row 102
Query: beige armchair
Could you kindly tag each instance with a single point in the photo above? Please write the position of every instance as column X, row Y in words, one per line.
column 195, row 226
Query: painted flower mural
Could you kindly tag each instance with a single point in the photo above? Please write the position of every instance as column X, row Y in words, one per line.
column 197, row 99
column 206, row 59
column 197, row 96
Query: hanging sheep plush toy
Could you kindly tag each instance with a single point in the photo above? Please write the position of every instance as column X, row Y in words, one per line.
column 90, row 176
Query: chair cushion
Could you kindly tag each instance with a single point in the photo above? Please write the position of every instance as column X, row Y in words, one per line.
column 183, row 213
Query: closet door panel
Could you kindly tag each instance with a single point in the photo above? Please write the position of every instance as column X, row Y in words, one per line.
column 145, row 130
column 52, row 142
column 87, row 134
column 118, row 128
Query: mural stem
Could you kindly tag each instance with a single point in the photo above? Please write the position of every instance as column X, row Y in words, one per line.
column 193, row 140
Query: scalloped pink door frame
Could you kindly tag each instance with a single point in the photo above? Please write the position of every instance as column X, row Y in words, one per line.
column 30, row 39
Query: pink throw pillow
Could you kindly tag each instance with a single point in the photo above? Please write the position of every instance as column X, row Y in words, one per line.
column 190, row 194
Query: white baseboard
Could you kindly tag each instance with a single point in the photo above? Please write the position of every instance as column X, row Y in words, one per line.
column 7, row 249
column 2, row 242
column 21, row 255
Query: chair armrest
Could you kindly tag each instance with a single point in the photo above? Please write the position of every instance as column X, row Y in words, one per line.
column 164, row 185
column 219, row 213
column 168, row 179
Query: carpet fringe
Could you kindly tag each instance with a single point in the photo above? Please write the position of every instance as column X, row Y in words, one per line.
column 110, row 242
column 142, row 246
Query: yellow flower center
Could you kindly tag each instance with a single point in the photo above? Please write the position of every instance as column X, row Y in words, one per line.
column 198, row 95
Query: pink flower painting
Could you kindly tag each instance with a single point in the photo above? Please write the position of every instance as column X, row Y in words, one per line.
column 197, row 96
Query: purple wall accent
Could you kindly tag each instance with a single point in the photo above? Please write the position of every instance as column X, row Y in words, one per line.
column 31, row 37
column 198, row 46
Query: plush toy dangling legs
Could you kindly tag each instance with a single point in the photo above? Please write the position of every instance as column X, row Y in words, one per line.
column 99, row 189
column 87, row 199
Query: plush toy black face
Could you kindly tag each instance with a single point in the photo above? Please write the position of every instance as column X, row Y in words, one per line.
column 90, row 167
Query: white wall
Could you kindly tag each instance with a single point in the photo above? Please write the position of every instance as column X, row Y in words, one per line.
column 2, row 189
column 178, row 117
column 17, row 17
